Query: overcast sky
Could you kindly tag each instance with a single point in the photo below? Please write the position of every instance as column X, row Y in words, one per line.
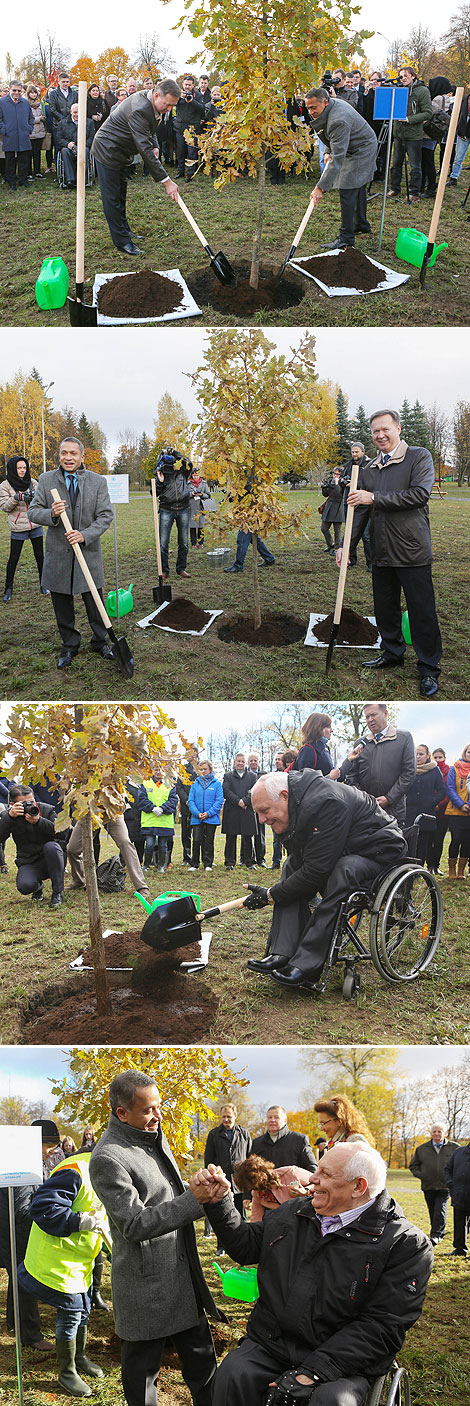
column 374, row 366
column 273, row 1070
column 91, row 27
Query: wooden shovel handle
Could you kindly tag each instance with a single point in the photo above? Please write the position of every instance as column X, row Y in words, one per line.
column 192, row 221
column 224, row 907
column 346, row 545
column 81, row 170
column 303, row 223
column 81, row 559
column 157, row 527
column 445, row 166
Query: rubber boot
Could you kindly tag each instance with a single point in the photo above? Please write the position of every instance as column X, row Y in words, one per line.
column 461, row 866
column 452, row 867
column 90, row 1369
column 68, row 1376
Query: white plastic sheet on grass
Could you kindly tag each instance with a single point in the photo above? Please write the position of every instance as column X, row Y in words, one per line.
column 187, row 308
column 392, row 279
column 151, row 620
column 310, row 638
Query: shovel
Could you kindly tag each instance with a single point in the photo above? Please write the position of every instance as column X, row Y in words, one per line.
column 297, row 238
column 121, row 647
column 343, row 569
column 442, row 183
column 162, row 592
column 81, row 314
column 220, row 264
column 178, row 923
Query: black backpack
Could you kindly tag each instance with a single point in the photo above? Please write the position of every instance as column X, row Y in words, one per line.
column 111, row 875
column 437, row 126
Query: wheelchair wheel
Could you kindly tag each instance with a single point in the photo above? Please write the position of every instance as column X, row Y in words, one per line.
column 351, row 984
column 406, row 924
column 391, row 1390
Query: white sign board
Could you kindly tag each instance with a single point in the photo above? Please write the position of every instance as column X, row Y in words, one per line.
column 118, row 487
column 20, row 1156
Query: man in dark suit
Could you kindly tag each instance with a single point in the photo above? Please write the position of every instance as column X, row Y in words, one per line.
column 134, row 127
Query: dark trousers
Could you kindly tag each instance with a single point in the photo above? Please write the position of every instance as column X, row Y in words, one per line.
column 113, row 187
column 17, row 168
column 461, row 1222
column 418, row 589
column 428, row 169
column 245, row 1374
column 140, row 1365
column 247, row 853
column 337, row 529
column 366, row 546
column 69, row 166
column 277, row 852
column 64, row 610
column 437, row 1202
column 51, row 866
column 460, row 836
column 304, row 937
column 16, row 548
column 353, row 213
column 36, row 149
column 186, row 833
column 186, row 155
column 30, row 1323
column 437, row 839
column 413, row 151
column 166, row 519
column 260, row 843
column 203, row 841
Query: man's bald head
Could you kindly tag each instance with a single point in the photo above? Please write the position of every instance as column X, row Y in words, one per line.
column 347, row 1177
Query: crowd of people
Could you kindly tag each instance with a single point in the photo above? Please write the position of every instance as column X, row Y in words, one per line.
column 403, row 785
column 322, row 1319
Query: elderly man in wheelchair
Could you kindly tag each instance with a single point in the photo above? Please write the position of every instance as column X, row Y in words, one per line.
column 342, row 1276
column 343, row 846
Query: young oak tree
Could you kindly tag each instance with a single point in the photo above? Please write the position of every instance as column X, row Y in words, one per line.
column 252, row 405
column 268, row 50
column 91, row 750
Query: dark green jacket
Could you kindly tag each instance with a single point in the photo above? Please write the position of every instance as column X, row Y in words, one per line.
column 418, row 111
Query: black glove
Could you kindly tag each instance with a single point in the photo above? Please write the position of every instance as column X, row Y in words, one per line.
column 289, row 1392
column 27, row 496
column 257, row 898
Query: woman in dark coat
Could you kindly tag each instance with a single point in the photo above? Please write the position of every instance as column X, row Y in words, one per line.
column 427, row 789
column 332, row 510
column 314, row 752
column 238, row 815
column 95, row 106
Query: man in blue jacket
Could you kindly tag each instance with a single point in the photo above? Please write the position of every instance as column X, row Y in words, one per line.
column 16, row 125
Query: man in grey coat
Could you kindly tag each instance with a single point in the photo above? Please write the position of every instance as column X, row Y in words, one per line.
column 84, row 497
column 350, row 160
column 158, row 1286
column 429, row 1162
column 383, row 764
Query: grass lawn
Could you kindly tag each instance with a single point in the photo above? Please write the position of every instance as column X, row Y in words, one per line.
column 37, row 946
column 39, row 222
column 436, row 1350
column 180, row 666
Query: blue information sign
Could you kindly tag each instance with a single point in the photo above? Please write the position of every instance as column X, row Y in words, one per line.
column 383, row 103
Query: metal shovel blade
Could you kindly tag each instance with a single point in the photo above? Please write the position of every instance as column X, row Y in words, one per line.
column 172, row 924
column 81, row 314
column 285, row 262
column 162, row 592
column 123, row 654
column 331, row 645
column 221, row 266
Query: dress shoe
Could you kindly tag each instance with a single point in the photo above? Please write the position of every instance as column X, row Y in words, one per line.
column 271, row 562
column 7, row 594
column 383, row 661
column 228, row 569
column 183, row 573
column 130, row 248
column 41, row 1345
column 338, row 244
column 44, row 592
column 295, row 978
column 363, row 229
column 105, row 650
column 56, row 900
column 66, row 657
column 38, row 894
column 462, row 1254
column 266, row 964
column 429, row 686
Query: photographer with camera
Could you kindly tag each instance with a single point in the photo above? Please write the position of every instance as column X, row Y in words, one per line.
column 337, row 87
column 66, row 143
column 172, row 476
column 39, row 855
column 16, row 494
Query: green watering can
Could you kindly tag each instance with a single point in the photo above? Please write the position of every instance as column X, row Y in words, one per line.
column 239, row 1282
column 411, row 246
column 126, row 603
column 166, row 898
column 52, row 285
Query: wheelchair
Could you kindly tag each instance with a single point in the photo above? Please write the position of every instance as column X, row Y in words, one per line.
column 391, row 1390
column 404, row 908
column 90, row 172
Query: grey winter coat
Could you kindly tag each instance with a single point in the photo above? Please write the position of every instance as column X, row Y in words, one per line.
column 385, row 768
column 351, row 143
column 400, row 534
column 156, row 1272
column 430, row 1166
column 133, row 127
column 92, row 515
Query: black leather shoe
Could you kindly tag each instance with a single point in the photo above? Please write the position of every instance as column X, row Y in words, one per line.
column 228, row 570
column 130, row 248
column 338, row 244
column 428, row 686
column 56, row 900
column 384, row 661
column 66, row 657
column 38, row 895
column 294, row 977
column 105, row 650
column 363, row 229
column 266, row 964
column 44, row 592
column 7, row 595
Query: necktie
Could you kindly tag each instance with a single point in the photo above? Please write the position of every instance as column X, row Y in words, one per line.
column 72, row 485
column 386, row 459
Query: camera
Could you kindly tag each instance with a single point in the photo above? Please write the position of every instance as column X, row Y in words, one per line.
column 328, row 81
column 168, row 459
column 30, row 808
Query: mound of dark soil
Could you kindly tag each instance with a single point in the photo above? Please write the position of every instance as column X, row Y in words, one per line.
column 241, row 298
column 143, row 294
column 181, row 1012
column 123, row 948
column 350, row 269
column 181, row 614
column 274, row 630
column 353, row 629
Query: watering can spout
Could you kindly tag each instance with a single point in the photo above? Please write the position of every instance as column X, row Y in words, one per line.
column 143, row 901
column 217, row 1267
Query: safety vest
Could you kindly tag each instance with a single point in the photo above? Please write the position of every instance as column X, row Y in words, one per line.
column 157, row 795
column 65, row 1262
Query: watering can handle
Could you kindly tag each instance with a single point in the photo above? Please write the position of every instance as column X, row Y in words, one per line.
column 346, row 546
